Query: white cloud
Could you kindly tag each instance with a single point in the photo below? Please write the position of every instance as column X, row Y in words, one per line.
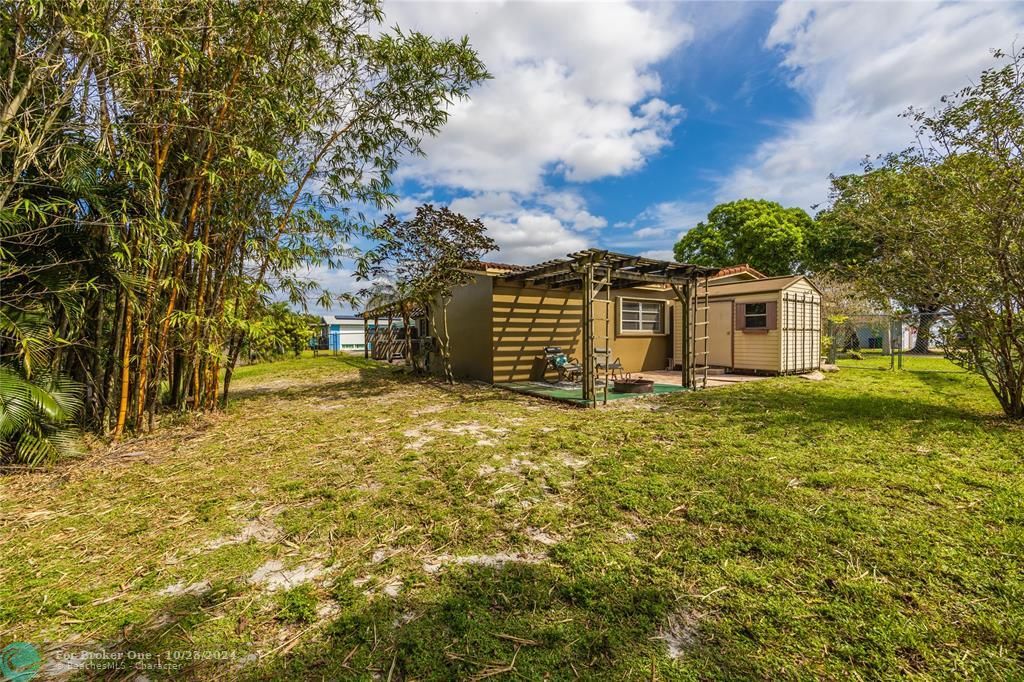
column 533, row 237
column 859, row 66
column 531, row 229
column 574, row 92
column 657, row 228
column 659, row 254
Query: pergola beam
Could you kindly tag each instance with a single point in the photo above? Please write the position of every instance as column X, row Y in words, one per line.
column 618, row 265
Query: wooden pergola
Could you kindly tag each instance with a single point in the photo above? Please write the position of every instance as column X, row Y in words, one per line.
column 386, row 343
column 596, row 271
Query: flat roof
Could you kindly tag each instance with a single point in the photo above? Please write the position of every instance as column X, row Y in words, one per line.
column 330, row 319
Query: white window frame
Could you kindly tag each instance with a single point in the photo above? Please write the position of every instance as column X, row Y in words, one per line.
column 644, row 307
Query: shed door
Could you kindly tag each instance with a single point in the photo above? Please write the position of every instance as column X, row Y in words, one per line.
column 720, row 334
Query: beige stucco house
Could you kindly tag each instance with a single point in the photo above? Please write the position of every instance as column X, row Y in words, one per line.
column 499, row 324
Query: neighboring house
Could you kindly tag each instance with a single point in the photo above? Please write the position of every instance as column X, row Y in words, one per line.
column 883, row 332
column 342, row 332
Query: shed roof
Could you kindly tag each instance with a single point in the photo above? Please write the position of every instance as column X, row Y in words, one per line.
column 757, row 286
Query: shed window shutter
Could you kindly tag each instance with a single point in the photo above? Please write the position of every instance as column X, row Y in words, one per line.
column 773, row 314
column 741, row 316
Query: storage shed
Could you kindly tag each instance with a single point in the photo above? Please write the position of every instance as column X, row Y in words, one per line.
column 762, row 325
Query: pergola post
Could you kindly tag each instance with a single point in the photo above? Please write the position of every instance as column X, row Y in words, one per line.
column 621, row 271
column 366, row 338
column 686, row 362
column 589, row 365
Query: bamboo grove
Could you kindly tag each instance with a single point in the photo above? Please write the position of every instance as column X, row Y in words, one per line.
column 169, row 167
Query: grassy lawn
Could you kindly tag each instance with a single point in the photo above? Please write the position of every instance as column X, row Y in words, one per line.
column 343, row 521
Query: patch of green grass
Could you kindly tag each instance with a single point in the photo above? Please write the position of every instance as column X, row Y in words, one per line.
column 870, row 525
column 297, row 605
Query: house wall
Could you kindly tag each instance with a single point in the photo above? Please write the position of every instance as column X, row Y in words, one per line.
column 351, row 335
column 523, row 321
column 800, row 322
column 639, row 351
column 469, row 328
column 527, row 319
column 346, row 335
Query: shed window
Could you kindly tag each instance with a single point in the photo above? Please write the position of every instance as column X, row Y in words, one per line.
column 755, row 316
column 642, row 316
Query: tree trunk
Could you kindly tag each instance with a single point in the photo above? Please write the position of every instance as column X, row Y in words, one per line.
column 126, row 356
column 409, row 359
column 925, row 321
column 444, row 346
column 229, row 368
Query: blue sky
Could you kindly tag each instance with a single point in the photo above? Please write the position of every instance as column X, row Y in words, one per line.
column 620, row 125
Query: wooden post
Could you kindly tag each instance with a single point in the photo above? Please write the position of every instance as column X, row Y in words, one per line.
column 376, row 337
column 589, row 389
column 684, row 301
column 366, row 338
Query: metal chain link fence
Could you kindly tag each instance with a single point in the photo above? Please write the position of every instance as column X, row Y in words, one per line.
column 887, row 342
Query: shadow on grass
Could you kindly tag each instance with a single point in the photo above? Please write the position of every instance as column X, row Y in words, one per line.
column 163, row 647
column 370, row 381
column 525, row 621
column 529, row 620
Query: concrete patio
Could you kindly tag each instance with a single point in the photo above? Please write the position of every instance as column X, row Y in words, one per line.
column 662, row 376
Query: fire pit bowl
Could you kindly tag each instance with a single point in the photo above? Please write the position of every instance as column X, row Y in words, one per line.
column 633, row 386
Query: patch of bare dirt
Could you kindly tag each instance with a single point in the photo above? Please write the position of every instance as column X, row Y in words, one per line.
column 542, row 537
column 181, row 588
column 680, row 632
column 260, row 530
column 274, row 576
column 390, row 586
column 434, row 564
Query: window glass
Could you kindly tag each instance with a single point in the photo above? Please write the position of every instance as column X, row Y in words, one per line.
column 756, row 315
column 637, row 316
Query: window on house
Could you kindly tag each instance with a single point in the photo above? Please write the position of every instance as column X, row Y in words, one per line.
column 642, row 316
column 756, row 316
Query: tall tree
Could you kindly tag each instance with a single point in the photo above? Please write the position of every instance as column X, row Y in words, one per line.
column 762, row 233
column 166, row 165
column 948, row 221
column 426, row 258
column 844, row 251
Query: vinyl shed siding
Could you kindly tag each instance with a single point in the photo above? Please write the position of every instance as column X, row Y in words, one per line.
column 800, row 321
column 756, row 350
